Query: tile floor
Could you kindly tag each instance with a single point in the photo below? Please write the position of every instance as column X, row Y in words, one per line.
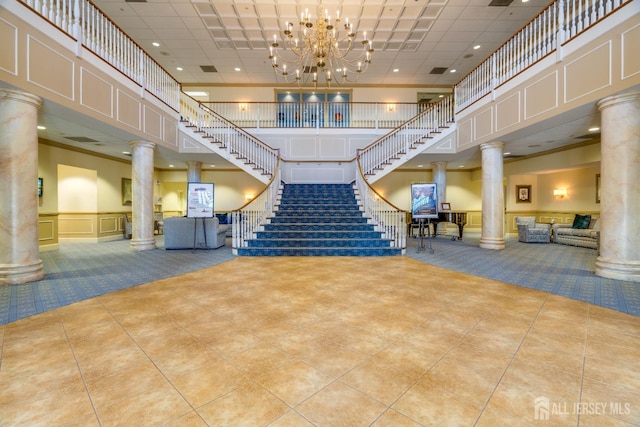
column 322, row 341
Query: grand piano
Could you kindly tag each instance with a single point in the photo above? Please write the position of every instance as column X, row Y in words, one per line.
column 458, row 218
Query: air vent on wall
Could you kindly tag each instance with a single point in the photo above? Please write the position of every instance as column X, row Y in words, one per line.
column 80, row 139
column 438, row 70
column 208, row 69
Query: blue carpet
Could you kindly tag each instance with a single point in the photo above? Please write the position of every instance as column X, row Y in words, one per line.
column 557, row 269
column 79, row 271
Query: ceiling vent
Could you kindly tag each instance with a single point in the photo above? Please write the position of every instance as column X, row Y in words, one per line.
column 500, row 3
column 208, row 69
column 438, row 70
column 135, row 1
column 593, row 135
column 80, row 139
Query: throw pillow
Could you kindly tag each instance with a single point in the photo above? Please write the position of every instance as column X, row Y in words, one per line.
column 581, row 221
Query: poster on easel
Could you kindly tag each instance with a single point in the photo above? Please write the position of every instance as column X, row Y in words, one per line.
column 424, row 198
column 200, row 200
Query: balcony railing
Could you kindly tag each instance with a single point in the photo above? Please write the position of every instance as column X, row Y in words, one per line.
column 90, row 27
column 546, row 33
column 368, row 115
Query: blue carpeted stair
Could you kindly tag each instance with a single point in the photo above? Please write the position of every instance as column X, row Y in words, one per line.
column 318, row 220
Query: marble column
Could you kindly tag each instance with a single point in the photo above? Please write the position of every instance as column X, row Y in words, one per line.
column 492, row 236
column 619, row 256
column 440, row 178
column 19, row 253
column 194, row 171
column 142, row 238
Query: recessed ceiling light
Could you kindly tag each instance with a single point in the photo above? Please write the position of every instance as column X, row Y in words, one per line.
column 594, row 129
column 506, row 153
column 395, row 70
column 237, row 68
column 126, row 152
column 420, row 166
column 476, row 47
column 453, row 71
column 179, row 68
column 156, row 44
column 170, row 166
column 41, row 127
column 461, row 166
column 213, row 166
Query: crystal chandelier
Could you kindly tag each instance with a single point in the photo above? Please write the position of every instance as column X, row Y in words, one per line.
column 324, row 50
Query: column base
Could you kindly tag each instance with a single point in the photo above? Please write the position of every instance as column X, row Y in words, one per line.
column 491, row 243
column 143, row 244
column 15, row 274
column 628, row 271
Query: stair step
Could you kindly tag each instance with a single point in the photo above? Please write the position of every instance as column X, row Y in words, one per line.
column 318, row 243
column 319, row 251
column 304, row 226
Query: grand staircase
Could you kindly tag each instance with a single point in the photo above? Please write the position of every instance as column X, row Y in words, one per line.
column 318, row 220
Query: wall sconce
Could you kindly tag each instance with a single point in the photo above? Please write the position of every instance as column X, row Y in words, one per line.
column 243, row 107
column 391, row 107
column 560, row 193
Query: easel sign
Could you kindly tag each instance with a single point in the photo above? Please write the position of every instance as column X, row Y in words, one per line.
column 200, row 200
column 424, row 198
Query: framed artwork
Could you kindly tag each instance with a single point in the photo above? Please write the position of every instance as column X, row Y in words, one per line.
column 424, row 200
column 597, row 188
column 523, row 194
column 446, row 206
column 126, row 192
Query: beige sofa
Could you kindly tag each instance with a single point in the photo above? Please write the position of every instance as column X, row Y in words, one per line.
column 586, row 237
column 179, row 233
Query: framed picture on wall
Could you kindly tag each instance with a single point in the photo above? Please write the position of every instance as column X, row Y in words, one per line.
column 597, row 188
column 523, row 194
column 126, row 192
column 446, row 206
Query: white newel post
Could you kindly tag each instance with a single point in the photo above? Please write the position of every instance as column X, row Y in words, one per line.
column 620, row 188
column 492, row 236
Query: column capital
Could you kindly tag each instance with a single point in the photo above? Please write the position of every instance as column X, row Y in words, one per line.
column 20, row 96
column 494, row 144
column 440, row 164
column 143, row 144
column 618, row 99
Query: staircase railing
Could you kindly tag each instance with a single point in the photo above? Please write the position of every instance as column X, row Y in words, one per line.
column 90, row 27
column 390, row 220
column 250, row 218
column 546, row 33
column 240, row 144
column 406, row 137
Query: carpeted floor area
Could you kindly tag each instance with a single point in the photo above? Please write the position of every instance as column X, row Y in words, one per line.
column 321, row 341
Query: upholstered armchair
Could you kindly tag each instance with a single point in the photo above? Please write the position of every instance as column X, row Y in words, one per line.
column 530, row 231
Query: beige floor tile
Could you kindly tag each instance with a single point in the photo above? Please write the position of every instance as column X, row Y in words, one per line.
column 260, row 360
column 204, row 385
column 153, row 407
column 622, row 403
column 340, row 405
column 180, row 361
column 430, row 406
column 191, row 419
column 294, row 382
column 393, row 418
column 129, row 381
column 249, row 405
column 334, row 360
column 291, row 419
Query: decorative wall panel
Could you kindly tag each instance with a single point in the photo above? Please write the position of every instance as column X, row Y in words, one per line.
column 128, row 110
column 541, row 96
column 508, row 112
column 96, row 93
column 8, row 48
column 49, row 69
column 578, row 82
